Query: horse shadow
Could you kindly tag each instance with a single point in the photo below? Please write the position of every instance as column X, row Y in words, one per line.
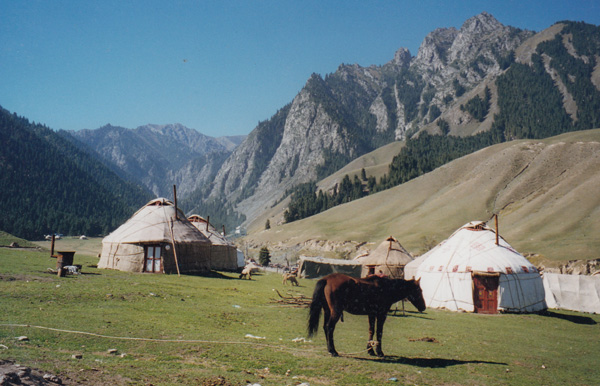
column 432, row 363
column 409, row 314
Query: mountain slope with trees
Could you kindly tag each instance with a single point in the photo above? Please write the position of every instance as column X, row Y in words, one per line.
column 341, row 116
column 531, row 105
column 49, row 185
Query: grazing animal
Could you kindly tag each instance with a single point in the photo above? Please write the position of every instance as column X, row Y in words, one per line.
column 291, row 277
column 372, row 296
column 247, row 271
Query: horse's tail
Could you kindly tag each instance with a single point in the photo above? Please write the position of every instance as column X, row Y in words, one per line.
column 318, row 300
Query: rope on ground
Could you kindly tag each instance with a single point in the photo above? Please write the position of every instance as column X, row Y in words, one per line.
column 154, row 339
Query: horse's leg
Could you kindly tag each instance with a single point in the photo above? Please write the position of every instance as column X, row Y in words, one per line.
column 331, row 319
column 380, row 321
column 371, row 332
column 326, row 317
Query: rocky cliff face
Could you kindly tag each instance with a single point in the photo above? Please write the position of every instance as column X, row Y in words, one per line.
column 449, row 57
column 357, row 109
column 159, row 156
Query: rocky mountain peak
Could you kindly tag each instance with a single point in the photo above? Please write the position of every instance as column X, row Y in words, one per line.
column 482, row 23
column 402, row 57
column 433, row 51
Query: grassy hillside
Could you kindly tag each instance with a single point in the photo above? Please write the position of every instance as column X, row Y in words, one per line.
column 545, row 192
column 6, row 239
column 191, row 330
column 375, row 163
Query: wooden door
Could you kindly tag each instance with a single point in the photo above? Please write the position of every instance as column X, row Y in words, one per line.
column 485, row 293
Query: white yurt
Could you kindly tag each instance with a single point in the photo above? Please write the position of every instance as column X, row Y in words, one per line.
column 475, row 270
column 158, row 238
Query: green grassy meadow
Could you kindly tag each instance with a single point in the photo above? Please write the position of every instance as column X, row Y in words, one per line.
column 191, row 330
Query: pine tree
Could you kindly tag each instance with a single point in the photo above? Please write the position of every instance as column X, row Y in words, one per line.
column 264, row 256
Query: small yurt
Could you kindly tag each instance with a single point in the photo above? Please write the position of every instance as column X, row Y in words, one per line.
column 223, row 254
column 158, row 238
column 388, row 259
column 476, row 270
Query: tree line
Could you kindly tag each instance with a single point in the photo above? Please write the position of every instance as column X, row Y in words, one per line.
column 49, row 185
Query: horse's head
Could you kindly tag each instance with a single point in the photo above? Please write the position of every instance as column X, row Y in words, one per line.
column 415, row 295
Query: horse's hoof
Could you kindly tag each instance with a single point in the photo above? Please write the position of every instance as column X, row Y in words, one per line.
column 380, row 354
column 371, row 352
column 334, row 354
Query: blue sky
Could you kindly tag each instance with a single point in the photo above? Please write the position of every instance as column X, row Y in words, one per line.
column 219, row 67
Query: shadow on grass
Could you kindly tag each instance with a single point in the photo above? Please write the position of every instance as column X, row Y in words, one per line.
column 578, row 319
column 425, row 362
column 412, row 314
column 217, row 275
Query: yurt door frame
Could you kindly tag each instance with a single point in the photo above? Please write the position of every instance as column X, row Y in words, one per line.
column 485, row 292
column 152, row 259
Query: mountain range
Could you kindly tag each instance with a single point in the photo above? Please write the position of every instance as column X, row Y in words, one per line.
column 481, row 78
column 159, row 156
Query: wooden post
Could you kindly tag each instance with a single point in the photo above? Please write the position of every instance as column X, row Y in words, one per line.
column 223, row 230
column 52, row 246
column 207, row 222
column 175, row 199
column 497, row 237
column 174, row 249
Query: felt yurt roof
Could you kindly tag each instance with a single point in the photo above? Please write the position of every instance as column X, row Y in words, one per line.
column 472, row 248
column 156, row 222
column 389, row 252
column 211, row 233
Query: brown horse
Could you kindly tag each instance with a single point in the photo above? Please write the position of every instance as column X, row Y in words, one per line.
column 372, row 296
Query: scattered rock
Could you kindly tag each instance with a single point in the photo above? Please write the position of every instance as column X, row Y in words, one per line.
column 112, row 350
column 14, row 374
column 52, row 378
column 22, row 338
column 8, row 378
column 77, row 356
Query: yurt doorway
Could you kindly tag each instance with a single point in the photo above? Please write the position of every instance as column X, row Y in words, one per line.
column 485, row 293
column 153, row 259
